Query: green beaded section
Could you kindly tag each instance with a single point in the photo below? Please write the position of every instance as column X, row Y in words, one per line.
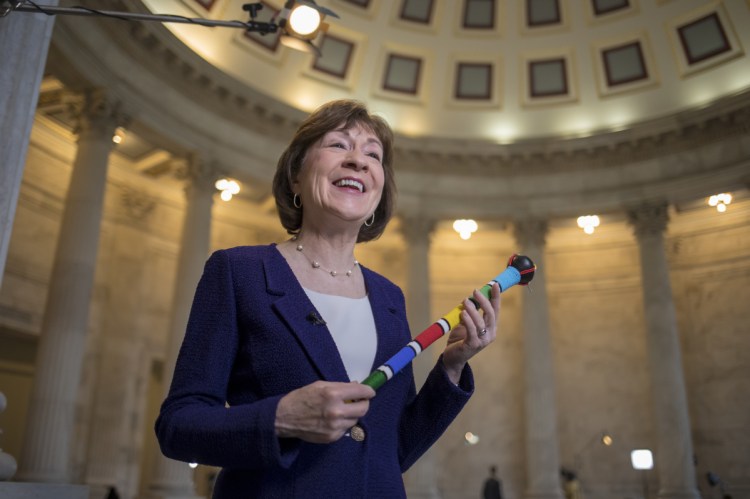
column 375, row 380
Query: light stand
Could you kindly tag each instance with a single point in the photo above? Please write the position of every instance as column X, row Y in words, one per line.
column 643, row 460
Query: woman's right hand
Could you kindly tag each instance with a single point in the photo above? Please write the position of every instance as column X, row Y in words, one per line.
column 322, row 411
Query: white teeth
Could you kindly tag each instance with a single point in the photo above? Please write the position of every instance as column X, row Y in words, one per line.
column 346, row 182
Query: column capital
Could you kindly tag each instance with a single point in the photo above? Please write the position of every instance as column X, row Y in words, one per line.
column 530, row 232
column 417, row 228
column 199, row 172
column 95, row 113
column 649, row 218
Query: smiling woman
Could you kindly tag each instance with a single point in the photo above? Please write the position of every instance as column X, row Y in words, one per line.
column 334, row 121
column 267, row 383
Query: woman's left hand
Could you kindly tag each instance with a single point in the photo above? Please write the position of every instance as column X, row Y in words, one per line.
column 475, row 331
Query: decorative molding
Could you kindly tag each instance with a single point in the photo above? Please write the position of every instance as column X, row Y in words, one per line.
column 136, row 204
column 95, row 112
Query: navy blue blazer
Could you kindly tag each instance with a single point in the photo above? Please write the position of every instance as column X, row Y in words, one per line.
column 249, row 341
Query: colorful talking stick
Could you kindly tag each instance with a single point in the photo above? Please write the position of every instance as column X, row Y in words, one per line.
column 520, row 271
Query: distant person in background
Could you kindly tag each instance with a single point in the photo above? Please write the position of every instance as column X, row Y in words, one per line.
column 493, row 487
column 112, row 493
column 571, row 486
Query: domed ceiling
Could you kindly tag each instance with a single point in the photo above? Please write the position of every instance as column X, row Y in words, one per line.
column 502, row 71
column 505, row 107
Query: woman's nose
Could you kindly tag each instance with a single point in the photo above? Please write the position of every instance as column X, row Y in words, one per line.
column 356, row 159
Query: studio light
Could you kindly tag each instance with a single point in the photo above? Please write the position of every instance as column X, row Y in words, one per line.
column 642, row 459
column 301, row 21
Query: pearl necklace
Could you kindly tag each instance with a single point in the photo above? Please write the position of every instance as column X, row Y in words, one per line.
column 316, row 265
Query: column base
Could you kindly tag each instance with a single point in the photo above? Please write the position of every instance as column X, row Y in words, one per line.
column 28, row 490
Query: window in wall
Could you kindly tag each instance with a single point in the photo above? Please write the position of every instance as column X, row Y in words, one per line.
column 335, row 56
column 473, row 81
column 602, row 7
column 402, row 74
column 479, row 14
column 703, row 38
column 548, row 78
column 542, row 13
column 359, row 3
column 418, row 11
column 624, row 64
column 206, row 4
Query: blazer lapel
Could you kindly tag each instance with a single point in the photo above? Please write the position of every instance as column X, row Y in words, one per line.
column 300, row 316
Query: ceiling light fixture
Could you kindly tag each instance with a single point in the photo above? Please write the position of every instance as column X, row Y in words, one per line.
column 119, row 135
column 471, row 438
column 228, row 188
column 300, row 21
column 588, row 223
column 465, row 228
column 720, row 201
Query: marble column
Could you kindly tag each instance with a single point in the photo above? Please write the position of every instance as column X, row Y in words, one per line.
column 173, row 479
column 47, row 445
column 421, row 479
column 24, row 39
column 121, row 353
column 542, row 448
column 673, row 455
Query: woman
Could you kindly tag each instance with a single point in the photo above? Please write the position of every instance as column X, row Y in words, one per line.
column 265, row 385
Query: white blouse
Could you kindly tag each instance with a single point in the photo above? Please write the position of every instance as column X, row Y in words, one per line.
column 352, row 326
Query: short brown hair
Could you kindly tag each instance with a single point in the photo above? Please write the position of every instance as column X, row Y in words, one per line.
column 326, row 118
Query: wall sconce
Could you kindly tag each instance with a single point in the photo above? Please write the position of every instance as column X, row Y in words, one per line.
column 602, row 437
column 588, row 223
column 228, row 188
column 720, row 201
column 471, row 438
column 119, row 135
column 465, row 228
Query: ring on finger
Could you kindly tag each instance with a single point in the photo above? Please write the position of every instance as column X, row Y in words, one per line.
column 482, row 332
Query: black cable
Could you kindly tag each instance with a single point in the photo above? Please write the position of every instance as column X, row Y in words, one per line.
column 37, row 7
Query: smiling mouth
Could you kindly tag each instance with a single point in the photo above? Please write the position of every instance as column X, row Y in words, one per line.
column 350, row 183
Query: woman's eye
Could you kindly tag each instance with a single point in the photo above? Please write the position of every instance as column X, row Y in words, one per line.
column 374, row 155
column 338, row 144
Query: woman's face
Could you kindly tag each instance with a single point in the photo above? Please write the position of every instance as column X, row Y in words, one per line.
column 341, row 179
